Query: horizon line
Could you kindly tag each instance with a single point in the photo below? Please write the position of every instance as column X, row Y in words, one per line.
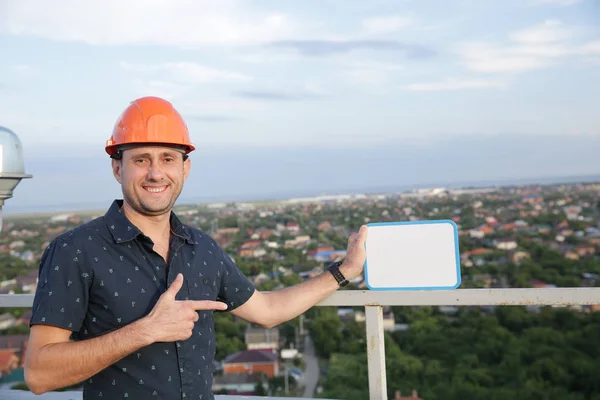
column 82, row 208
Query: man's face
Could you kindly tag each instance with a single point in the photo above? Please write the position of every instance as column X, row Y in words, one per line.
column 151, row 178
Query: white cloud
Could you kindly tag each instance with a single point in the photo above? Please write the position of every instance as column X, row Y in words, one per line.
column 483, row 57
column 160, row 88
column 22, row 68
column 549, row 31
column 370, row 73
column 220, row 106
column 558, row 2
column 162, row 22
column 455, row 84
column 529, row 49
column 388, row 24
column 177, row 79
column 187, row 72
column 591, row 48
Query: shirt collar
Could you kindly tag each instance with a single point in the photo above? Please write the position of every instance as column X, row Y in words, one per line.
column 123, row 230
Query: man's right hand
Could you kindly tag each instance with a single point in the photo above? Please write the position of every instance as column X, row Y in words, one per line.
column 171, row 320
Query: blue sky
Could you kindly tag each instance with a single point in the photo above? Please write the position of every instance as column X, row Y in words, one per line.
column 300, row 78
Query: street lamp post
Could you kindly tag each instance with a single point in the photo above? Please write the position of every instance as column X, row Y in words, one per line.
column 12, row 165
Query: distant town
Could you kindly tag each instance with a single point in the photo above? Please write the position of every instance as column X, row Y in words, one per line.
column 514, row 236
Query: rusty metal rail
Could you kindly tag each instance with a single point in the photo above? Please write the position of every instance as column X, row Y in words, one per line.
column 466, row 297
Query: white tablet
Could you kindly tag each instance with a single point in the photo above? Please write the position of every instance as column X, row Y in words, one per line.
column 412, row 255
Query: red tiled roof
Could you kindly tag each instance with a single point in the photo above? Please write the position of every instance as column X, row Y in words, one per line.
column 5, row 357
column 13, row 341
column 251, row 356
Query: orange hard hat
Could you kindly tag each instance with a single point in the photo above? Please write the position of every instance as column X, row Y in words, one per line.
column 149, row 120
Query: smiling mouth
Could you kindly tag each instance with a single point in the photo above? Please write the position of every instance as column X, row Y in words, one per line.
column 155, row 189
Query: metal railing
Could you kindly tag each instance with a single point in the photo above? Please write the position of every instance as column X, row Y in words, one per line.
column 374, row 301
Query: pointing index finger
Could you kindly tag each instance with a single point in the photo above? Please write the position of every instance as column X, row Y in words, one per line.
column 206, row 305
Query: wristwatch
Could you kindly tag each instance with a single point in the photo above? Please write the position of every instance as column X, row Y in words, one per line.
column 334, row 268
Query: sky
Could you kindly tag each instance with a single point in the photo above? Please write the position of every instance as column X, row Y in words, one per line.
column 317, row 96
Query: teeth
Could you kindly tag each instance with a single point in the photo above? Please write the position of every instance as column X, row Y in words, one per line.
column 155, row 190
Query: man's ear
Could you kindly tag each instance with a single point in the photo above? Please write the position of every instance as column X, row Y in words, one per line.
column 117, row 167
column 187, row 164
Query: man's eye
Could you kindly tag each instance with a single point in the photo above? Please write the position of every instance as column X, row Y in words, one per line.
column 169, row 159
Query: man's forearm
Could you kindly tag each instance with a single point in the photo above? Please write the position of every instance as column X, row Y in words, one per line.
column 288, row 303
column 63, row 364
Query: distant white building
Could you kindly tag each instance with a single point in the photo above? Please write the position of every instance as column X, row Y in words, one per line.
column 7, row 320
column 505, row 244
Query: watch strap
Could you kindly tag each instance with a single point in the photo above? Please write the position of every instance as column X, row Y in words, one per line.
column 334, row 268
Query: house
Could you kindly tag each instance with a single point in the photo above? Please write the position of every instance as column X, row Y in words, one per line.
column 518, row 256
column 539, row 284
column 389, row 323
column 266, row 234
column 312, row 253
column 585, row 250
column 228, row 231
column 246, row 253
column 256, row 252
column 572, row 212
column 491, row 221
column 9, row 361
column 532, row 199
column 12, row 352
column 298, row 241
column 238, row 384
column 481, row 232
column 251, row 248
column 22, row 320
column 413, row 396
column 324, row 226
column 260, row 278
column 292, row 227
column 544, row 229
column 478, row 252
column 486, row 279
column 251, row 244
column 252, row 362
column 28, row 283
column 13, row 342
column 505, row 244
column 260, row 338
column 329, row 256
column 7, row 320
column 571, row 255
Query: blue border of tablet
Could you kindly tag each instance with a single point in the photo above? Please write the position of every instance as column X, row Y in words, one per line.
column 457, row 252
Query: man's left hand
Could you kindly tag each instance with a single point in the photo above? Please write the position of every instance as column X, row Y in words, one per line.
column 356, row 254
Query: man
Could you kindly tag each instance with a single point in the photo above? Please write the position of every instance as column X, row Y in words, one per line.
column 136, row 289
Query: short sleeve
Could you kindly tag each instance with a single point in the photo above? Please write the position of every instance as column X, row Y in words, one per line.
column 235, row 288
column 62, row 293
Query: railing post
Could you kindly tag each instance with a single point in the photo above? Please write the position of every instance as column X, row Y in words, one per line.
column 376, row 353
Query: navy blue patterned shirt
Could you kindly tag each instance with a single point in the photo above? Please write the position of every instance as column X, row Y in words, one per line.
column 104, row 274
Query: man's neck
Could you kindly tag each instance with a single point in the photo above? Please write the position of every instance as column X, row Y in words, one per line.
column 156, row 227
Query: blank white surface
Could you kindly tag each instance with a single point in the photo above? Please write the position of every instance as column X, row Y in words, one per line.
column 412, row 255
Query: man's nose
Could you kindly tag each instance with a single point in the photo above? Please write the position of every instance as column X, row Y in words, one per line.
column 155, row 172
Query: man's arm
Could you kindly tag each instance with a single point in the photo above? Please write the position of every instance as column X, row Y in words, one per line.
column 273, row 308
column 54, row 362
